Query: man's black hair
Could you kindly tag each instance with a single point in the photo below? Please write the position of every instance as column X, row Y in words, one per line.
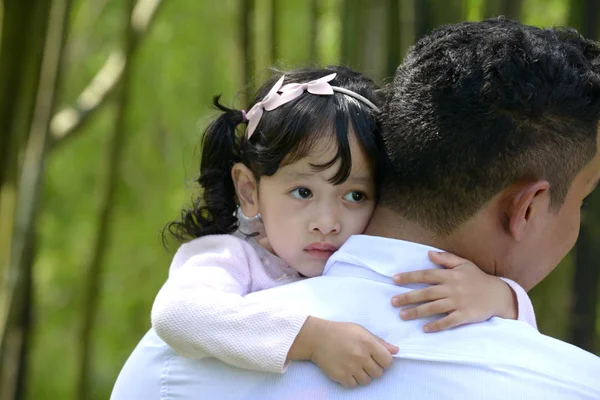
column 478, row 106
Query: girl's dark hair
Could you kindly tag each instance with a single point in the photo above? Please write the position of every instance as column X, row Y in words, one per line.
column 283, row 136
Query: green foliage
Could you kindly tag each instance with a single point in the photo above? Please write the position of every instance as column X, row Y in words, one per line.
column 190, row 54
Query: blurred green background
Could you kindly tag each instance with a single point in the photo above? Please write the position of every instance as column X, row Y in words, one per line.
column 81, row 209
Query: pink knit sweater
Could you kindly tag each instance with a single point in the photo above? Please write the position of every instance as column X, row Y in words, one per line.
column 201, row 310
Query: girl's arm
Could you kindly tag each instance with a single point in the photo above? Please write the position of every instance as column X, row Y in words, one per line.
column 524, row 308
column 463, row 292
column 201, row 311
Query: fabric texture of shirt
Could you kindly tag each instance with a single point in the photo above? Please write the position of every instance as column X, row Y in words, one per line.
column 201, row 312
column 496, row 359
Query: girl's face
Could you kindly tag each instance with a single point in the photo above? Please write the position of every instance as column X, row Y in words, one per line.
column 306, row 218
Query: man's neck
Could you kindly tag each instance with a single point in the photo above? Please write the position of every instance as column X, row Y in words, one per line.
column 387, row 223
column 468, row 242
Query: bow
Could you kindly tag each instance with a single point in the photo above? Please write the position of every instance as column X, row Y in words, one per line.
column 319, row 86
column 288, row 92
column 270, row 102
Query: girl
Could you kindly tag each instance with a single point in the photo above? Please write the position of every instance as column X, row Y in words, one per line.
column 278, row 198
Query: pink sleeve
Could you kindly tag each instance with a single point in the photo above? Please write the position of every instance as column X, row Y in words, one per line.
column 524, row 306
column 200, row 311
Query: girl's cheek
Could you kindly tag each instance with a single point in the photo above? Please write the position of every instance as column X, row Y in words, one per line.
column 358, row 222
column 367, row 218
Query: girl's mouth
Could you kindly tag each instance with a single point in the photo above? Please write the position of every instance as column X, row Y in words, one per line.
column 320, row 250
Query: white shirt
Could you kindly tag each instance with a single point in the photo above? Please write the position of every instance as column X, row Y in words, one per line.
column 496, row 359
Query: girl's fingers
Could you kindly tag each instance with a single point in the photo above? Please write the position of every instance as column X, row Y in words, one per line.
column 416, row 296
column 362, row 378
column 446, row 260
column 389, row 347
column 442, row 324
column 382, row 355
column 429, row 276
column 427, row 310
column 373, row 369
column 350, row 382
column 432, row 276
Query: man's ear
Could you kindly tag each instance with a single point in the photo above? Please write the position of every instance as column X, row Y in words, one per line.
column 246, row 189
column 526, row 201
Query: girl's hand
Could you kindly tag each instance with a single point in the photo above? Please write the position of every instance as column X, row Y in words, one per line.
column 347, row 353
column 463, row 291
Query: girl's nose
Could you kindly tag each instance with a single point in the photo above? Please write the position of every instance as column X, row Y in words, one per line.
column 326, row 222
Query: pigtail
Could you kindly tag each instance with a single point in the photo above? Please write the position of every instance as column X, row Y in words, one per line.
column 213, row 211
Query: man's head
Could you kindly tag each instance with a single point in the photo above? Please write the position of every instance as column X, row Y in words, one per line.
column 491, row 131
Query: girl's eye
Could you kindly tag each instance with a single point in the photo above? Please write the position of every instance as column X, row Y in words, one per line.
column 301, row 193
column 354, row 197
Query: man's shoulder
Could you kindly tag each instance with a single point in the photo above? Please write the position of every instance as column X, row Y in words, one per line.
column 513, row 349
column 510, row 345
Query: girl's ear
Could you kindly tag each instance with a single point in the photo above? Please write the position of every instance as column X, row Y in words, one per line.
column 246, row 189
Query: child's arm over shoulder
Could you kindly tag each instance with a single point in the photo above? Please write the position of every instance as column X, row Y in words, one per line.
column 200, row 311
column 463, row 292
column 525, row 312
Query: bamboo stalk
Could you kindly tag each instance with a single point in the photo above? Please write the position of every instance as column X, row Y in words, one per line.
column 313, row 33
column 394, row 40
column 246, row 45
column 13, row 342
column 95, row 263
column 274, row 25
column 23, row 31
column 68, row 121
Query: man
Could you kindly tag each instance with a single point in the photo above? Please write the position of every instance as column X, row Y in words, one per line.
column 491, row 131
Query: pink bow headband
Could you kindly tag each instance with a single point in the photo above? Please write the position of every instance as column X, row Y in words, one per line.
column 279, row 95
